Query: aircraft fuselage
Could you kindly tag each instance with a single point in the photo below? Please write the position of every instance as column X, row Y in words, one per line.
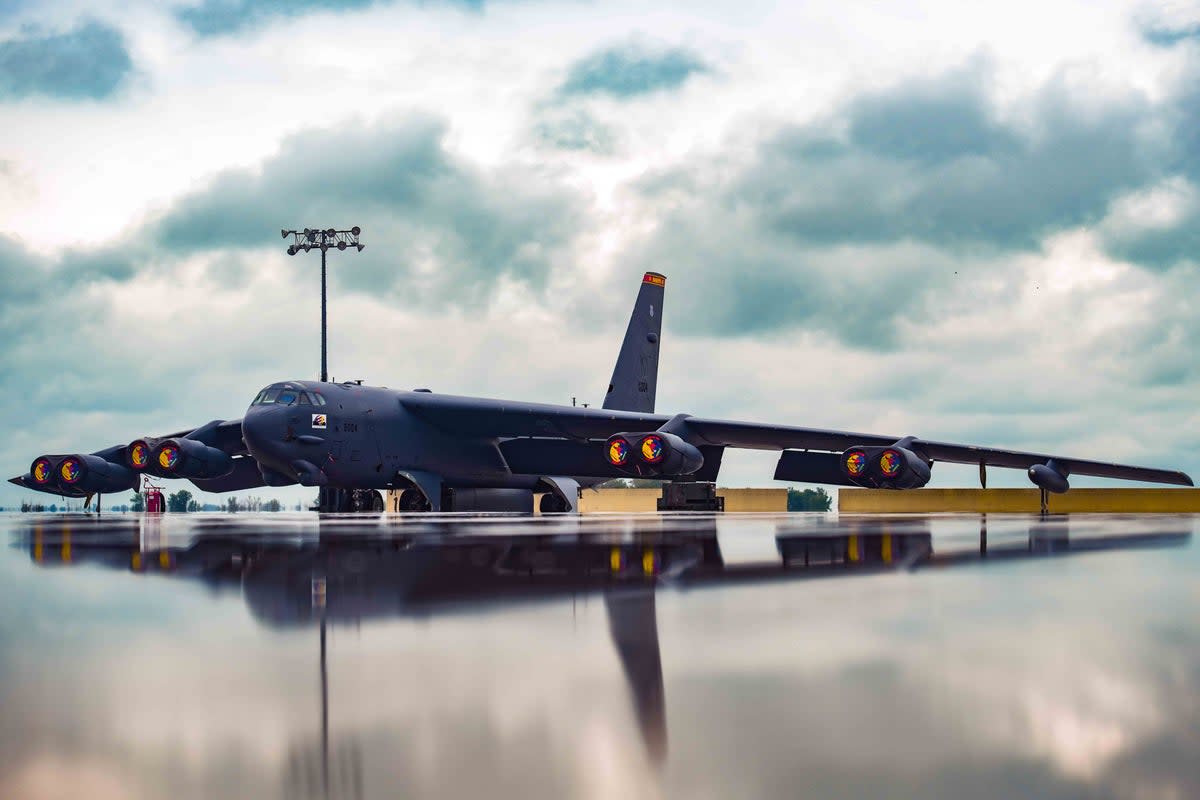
column 363, row 437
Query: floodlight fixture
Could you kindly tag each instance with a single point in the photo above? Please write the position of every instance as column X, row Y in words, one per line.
column 323, row 239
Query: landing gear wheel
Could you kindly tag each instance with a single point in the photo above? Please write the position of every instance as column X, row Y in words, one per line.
column 553, row 504
column 413, row 500
column 366, row 501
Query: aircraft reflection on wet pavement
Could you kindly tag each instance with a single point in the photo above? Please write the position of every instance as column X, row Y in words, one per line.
column 296, row 572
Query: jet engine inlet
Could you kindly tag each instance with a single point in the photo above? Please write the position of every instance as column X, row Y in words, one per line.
column 87, row 474
column 42, row 471
column 137, row 454
column 892, row 467
column 654, row 453
column 187, row 458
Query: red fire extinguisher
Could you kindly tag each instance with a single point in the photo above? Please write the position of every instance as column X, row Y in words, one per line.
column 154, row 498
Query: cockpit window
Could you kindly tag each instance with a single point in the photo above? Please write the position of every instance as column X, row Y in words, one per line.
column 318, row 399
column 287, row 394
column 265, row 397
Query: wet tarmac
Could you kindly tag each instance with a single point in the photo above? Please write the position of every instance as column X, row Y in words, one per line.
column 276, row 655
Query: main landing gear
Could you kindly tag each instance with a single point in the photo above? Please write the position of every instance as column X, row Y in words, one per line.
column 553, row 504
column 413, row 500
column 332, row 500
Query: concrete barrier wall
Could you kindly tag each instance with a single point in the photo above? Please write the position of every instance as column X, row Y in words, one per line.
column 631, row 500
column 599, row 500
column 1113, row 501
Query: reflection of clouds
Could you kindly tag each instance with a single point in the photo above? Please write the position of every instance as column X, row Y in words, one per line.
column 538, row 708
column 1079, row 741
column 1043, row 701
column 611, row 763
column 1062, row 678
column 1021, row 672
column 49, row 775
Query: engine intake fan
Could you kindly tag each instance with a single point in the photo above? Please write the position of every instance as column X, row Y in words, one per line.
column 895, row 467
column 187, row 458
column 652, row 454
column 82, row 474
column 140, row 456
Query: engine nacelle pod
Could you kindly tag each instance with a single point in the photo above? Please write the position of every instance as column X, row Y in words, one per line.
column 88, row 474
column 187, row 458
column 885, row 467
column 655, row 453
column 139, row 454
column 42, row 472
column 1050, row 476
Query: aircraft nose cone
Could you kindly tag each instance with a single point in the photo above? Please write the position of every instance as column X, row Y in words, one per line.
column 265, row 431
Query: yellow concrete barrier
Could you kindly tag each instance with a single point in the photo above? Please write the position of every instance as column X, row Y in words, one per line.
column 632, row 500
column 1076, row 501
column 600, row 500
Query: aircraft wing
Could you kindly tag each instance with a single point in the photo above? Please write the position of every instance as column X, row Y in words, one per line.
column 491, row 419
column 770, row 437
column 108, row 470
column 468, row 416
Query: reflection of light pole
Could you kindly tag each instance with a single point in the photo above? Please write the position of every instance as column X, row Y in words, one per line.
column 324, row 712
column 306, row 240
column 318, row 601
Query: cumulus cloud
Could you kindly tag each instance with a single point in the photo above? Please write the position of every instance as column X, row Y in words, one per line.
column 437, row 228
column 219, row 17
column 854, row 223
column 574, row 129
column 631, row 70
column 90, row 62
column 222, row 17
column 1168, row 25
column 1169, row 37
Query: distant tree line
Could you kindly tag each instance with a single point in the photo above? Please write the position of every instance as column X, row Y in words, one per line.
column 809, row 500
column 177, row 502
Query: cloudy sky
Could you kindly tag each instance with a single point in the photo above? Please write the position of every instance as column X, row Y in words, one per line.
column 960, row 222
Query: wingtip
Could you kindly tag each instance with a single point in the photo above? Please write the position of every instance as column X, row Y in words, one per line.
column 17, row 481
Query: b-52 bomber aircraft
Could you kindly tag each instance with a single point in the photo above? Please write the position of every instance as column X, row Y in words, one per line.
column 465, row 453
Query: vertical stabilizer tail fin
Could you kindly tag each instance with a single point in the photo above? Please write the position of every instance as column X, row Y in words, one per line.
column 635, row 377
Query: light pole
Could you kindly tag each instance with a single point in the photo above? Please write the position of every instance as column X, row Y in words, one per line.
column 310, row 238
